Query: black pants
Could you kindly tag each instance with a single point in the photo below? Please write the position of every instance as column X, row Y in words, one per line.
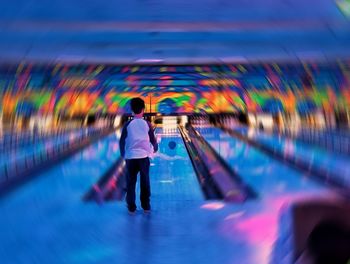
column 134, row 166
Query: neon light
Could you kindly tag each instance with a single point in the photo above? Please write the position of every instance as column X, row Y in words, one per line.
column 83, row 89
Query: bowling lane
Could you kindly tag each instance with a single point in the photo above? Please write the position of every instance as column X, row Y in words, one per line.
column 269, row 177
column 20, row 153
column 15, row 139
column 258, row 223
column 45, row 221
column 327, row 161
column 172, row 174
column 183, row 228
column 35, row 223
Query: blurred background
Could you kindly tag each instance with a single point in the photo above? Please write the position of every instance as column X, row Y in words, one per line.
column 250, row 103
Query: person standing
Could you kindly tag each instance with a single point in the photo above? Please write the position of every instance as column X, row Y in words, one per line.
column 137, row 142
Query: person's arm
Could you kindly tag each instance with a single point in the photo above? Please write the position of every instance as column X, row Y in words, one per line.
column 122, row 140
column 152, row 137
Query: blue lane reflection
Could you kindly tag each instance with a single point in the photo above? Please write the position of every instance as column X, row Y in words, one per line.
column 319, row 157
column 266, row 175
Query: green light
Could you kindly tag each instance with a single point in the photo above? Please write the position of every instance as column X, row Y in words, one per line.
column 344, row 6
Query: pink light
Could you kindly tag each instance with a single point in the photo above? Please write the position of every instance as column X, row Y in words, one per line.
column 234, row 215
column 262, row 227
column 213, row 206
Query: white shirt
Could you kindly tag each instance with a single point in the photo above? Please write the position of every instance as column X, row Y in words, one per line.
column 137, row 140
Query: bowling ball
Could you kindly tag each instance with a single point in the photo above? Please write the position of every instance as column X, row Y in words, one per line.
column 172, row 144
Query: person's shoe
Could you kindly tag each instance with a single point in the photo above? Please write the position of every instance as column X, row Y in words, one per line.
column 131, row 210
column 146, row 209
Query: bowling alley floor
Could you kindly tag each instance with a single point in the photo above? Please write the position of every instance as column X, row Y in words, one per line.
column 46, row 221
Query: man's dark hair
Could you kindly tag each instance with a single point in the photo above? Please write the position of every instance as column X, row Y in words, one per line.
column 137, row 104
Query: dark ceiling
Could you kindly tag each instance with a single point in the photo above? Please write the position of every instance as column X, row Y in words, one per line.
column 172, row 31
